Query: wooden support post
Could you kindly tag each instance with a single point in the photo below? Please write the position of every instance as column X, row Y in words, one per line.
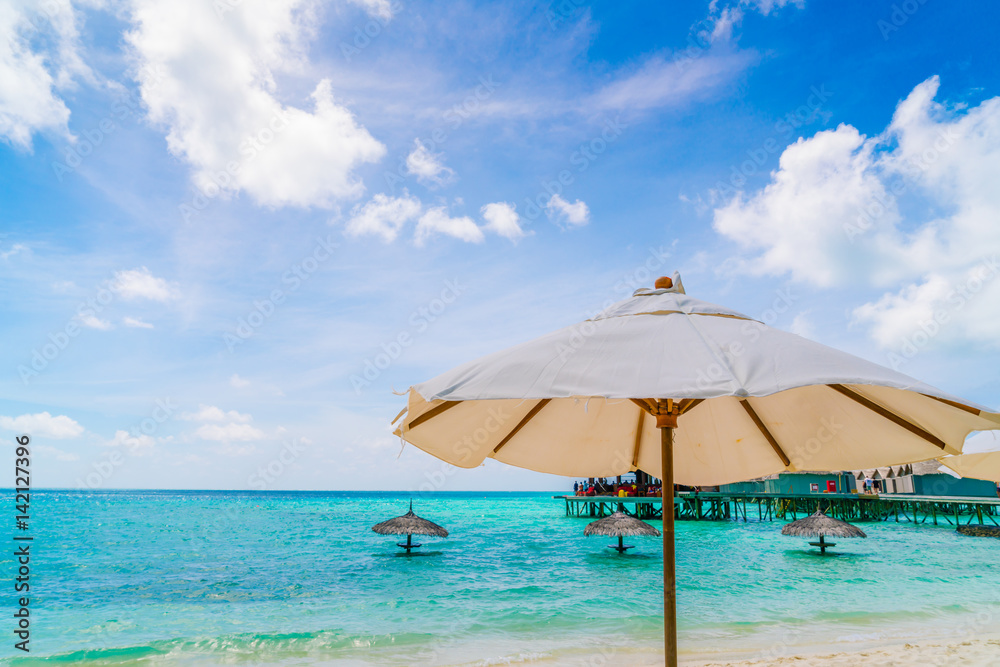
column 669, row 565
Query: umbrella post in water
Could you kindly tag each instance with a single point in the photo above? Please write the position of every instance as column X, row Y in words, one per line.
column 820, row 525
column 666, row 383
column 620, row 525
column 409, row 524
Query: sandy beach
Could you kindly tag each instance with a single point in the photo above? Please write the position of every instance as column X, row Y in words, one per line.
column 982, row 652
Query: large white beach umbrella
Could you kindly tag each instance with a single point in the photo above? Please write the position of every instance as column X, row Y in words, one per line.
column 981, row 459
column 686, row 390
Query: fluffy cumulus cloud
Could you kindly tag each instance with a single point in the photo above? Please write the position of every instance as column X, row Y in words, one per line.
column 42, row 424
column 229, row 432
column 211, row 413
column 207, row 74
column 136, row 323
column 565, row 214
column 427, row 166
column 39, row 57
column 502, row 219
column 136, row 444
column 383, row 216
column 438, row 221
column 844, row 208
column 139, row 283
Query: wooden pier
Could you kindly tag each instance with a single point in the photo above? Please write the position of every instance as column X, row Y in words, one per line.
column 715, row 506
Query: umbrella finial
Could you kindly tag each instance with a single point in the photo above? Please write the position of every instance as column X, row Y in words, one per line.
column 411, row 504
column 663, row 282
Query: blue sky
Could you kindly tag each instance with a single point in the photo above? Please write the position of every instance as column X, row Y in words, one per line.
column 231, row 230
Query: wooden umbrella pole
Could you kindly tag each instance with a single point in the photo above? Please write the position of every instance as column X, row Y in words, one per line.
column 666, row 424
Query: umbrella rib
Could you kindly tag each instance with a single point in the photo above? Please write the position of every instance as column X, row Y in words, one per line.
column 647, row 404
column 528, row 417
column 689, row 404
column 888, row 414
column 638, row 440
column 956, row 404
column 767, row 434
column 433, row 412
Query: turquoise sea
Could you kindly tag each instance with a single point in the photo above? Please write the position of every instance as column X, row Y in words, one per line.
column 199, row 578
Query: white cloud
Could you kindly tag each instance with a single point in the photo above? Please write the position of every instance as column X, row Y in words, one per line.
column 663, row 82
column 833, row 215
column 229, row 432
column 215, row 92
column 502, row 219
column 437, row 221
column 14, row 249
column 136, row 323
column 383, row 216
column 238, row 382
column 427, row 166
column 565, row 214
column 39, row 55
column 211, row 413
column 42, row 424
column 801, row 326
column 136, row 444
column 141, row 284
column 92, row 321
column 55, row 453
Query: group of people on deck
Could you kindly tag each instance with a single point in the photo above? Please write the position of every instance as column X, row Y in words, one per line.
column 609, row 487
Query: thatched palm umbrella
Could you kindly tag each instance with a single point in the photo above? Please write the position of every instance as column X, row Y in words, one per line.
column 620, row 525
column 409, row 524
column 820, row 525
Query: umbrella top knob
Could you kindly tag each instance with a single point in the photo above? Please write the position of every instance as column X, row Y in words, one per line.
column 663, row 282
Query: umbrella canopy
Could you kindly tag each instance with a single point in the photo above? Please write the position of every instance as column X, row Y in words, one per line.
column 976, row 466
column 409, row 524
column 605, row 397
column 818, row 525
column 751, row 400
column 981, row 459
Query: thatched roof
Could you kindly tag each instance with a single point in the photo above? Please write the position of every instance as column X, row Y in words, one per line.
column 819, row 524
column 409, row 524
column 619, row 525
column 931, row 467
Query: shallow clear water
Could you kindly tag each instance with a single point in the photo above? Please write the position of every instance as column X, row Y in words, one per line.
column 243, row 578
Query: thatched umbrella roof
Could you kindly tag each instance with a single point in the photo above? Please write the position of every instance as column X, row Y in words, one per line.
column 620, row 525
column 818, row 525
column 409, row 524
